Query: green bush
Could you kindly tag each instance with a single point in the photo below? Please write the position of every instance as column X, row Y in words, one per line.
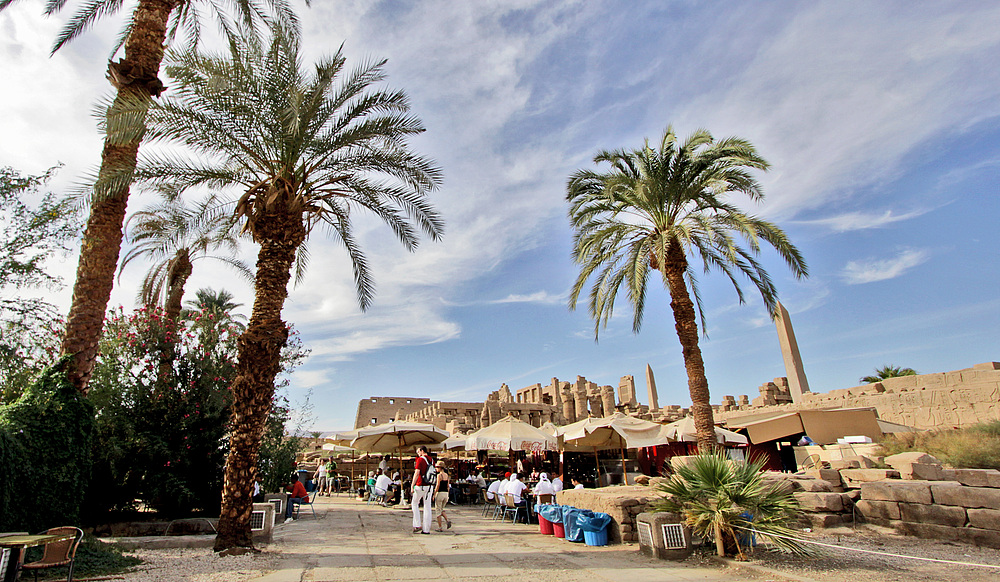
column 976, row 447
column 46, row 438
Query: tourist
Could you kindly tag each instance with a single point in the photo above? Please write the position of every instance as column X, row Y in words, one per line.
column 576, row 483
column 441, row 494
column 298, row 496
column 370, row 483
column 382, row 484
column 516, row 488
column 478, row 479
column 421, row 491
column 320, row 476
column 383, row 465
column 544, row 486
column 493, row 490
column 503, row 484
column 557, row 483
column 332, row 485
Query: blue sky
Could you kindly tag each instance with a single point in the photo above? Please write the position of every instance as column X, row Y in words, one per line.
column 881, row 122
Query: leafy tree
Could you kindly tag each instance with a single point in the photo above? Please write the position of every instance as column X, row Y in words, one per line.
column 153, row 25
column 726, row 501
column 654, row 209
column 888, row 371
column 306, row 147
column 173, row 236
column 34, row 227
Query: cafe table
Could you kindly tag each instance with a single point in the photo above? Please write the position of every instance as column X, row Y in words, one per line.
column 18, row 543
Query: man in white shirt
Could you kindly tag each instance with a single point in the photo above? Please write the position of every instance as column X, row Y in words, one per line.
column 515, row 487
column 382, row 484
column 503, row 484
column 557, row 484
column 544, row 486
column 493, row 490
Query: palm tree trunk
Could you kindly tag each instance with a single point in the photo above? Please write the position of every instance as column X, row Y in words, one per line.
column 687, row 331
column 177, row 275
column 259, row 349
column 135, row 77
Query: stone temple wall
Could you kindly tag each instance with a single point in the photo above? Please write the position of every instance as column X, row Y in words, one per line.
column 927, row 401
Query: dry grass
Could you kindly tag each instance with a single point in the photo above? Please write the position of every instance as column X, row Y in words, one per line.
column 976, row 447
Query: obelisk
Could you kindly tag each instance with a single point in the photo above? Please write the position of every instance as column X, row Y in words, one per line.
column 797, row 383
column 654, row 403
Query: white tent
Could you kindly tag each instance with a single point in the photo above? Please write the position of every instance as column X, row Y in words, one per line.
column 511, row 434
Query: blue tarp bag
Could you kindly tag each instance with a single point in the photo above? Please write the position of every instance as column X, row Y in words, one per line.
column 594, row 527
column 553, row 513
column 571, row 523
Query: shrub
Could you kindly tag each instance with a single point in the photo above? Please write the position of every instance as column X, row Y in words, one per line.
column 976, row 447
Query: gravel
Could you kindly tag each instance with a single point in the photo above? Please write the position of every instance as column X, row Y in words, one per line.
column 839, row 565
column 198, row 565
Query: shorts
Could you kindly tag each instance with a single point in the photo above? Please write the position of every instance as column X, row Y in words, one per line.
column 440, row 502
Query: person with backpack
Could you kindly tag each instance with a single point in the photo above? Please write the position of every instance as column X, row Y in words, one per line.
column 424, row 479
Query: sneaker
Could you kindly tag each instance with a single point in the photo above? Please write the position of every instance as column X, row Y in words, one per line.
column 426, row 533
column 449, row 525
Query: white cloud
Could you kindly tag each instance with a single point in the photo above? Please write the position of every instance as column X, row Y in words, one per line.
column 861, row 220
column 871, row 270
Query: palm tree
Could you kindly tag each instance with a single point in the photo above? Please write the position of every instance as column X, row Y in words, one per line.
column 217, row 303
column 888, row 371
column 653, row 209
column 154, row 23
column 307, row 148
column 173, row 236
column 729, row 501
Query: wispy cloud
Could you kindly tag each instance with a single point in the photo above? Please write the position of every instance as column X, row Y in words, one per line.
column 871, row 270
column 861, row 220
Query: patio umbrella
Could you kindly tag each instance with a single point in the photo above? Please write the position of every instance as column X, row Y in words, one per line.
column 683, row 430
column 397, row 436
column 454, row 442
column 618, row 431
column 511, row 434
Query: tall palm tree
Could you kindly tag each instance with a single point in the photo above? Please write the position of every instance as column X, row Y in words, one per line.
column 154, row 23
column 173, row 236
column 307, row 147
column 888, row 371
column 654, row 209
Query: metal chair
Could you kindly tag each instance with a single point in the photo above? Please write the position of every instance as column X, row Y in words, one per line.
column 512, row 507
column 56, row 554
column 298, row 506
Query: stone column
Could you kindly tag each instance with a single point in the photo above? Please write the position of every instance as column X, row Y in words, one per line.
column 608, row 400
column 580, row 397
column 569, row 406
column 626, row 391
column 797, row 383
column 654, row 403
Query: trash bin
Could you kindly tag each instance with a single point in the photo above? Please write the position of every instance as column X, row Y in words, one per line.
column 559, row 527
column 572, row 526
column 595, row 528
column 548, row 515
column 747, row 539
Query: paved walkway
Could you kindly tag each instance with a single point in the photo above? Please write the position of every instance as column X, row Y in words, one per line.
column 349, row 541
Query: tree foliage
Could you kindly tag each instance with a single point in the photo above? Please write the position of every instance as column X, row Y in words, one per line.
column 888, row 371
column 34, row 227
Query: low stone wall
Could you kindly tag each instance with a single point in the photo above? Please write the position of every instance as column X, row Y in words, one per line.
column 623, row 504
column 967, row 510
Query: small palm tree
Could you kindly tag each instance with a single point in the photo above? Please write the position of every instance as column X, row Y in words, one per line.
column 888, row 371
column 728, row 501
column 219, row 304
column 173, row 236
column 653, row 210
column 306, row 148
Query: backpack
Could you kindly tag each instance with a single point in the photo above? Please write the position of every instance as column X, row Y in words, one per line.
column 431, row 476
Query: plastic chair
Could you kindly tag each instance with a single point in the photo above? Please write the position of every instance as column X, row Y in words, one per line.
column 58, row 554
column 298, row 506
column 511, row 507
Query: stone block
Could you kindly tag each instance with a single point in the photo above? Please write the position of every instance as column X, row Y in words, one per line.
column 929, row 531
column 984, row 518
column 987, row 366
column 831, row 475
column 853, row 478
column 920, row 472
column 824, row 520
column 656, row 547
column 911, row 458
column 995, row 479
column 906, row 491
column 976, row 477
column 936, row 514
column 879, row 509
column 841, row 464
column 820, row 502
column 948, row 475
column 814, row 485
column 962, row 496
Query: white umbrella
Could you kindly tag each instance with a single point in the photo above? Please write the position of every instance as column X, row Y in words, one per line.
column 455, row 442
column 684, row 430
column 618, row 431
column 511, row 434
column 397, row 436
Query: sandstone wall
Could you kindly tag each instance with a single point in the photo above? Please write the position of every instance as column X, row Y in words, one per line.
column 928, row 401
